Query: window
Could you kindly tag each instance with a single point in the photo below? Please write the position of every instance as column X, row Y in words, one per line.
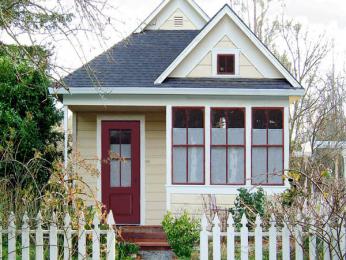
column 226, row 64
column 227, row 162
column 267, row 146
column 188, row 146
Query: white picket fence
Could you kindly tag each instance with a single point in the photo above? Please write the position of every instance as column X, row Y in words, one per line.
column 273, row 235
column 52, row 235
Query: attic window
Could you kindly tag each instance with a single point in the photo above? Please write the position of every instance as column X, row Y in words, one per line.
column 178, row 21
column 226, row 64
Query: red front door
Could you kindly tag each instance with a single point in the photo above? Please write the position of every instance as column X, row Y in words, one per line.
column 121, row 170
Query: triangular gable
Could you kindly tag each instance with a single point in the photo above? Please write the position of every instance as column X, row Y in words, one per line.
column 167, row 8
column 222, row 25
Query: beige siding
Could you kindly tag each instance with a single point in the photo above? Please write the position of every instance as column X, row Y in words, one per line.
column 169, row 23
column 155, row 179
column 204, row 67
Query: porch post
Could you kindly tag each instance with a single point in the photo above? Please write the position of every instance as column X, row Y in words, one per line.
column 168, row 155
column 286, row 142
column 65, row 136
column 248, row 129
column 207, row 145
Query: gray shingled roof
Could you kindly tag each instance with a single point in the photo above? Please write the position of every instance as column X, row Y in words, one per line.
column 138, row 60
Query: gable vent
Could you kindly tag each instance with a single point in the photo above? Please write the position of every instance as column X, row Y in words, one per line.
column 178, row 21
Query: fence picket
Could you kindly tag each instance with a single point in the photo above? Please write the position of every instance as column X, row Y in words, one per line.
column 39, row 237
column 286, row 251
column 312, row 242
column 216, row 238
column 96, row 238
column 81, row 237
column 11, row 237
column 25, row 238
column 203, row 242
column 343, row 239
column 67, row 237
column 244, row 239
column 1, row 242
column 230, row 238
column 110, row 236
column 326, row 253
column 272, row 239
column 258, row 238
column 298, row 234
column 53, row 238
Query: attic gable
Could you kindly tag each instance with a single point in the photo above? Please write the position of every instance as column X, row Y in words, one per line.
column 226, row 33
column 175, row 15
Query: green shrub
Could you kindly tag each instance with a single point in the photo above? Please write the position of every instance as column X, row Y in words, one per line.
column 125, row 250
column 249, row 203
column 182, row 233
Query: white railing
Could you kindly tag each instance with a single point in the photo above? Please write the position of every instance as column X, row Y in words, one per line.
column 275, row 236
column 58, row 243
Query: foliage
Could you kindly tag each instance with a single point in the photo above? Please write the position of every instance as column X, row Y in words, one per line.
column 125, row 250
column 250, row 203
column 28, row 116
column 182, row 233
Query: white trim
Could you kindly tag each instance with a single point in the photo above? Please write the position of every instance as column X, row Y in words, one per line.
column 65, row 137
column 161, row 6
column 226, row 10
column 207, row 144
column 218, row 51
column 168, row 153
column 286, row 142
column 248, row 147
column 181, row 91
column 141, row 118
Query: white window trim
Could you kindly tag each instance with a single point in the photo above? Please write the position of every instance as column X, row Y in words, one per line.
column 225, row 51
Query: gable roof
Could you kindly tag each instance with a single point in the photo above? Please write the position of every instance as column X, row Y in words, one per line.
column 227, row 11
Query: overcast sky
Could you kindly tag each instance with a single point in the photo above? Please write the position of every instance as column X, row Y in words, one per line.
column 322, row 16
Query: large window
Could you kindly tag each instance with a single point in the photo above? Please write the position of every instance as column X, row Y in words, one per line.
column 227, row 146
column 188, row 145
column 267, row 146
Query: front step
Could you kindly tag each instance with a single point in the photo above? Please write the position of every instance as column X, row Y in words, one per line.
column 148, row 238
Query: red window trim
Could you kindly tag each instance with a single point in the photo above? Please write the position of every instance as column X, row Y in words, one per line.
column 186, row 146
column 227, row 145
column 267, row 146
column 218, row 64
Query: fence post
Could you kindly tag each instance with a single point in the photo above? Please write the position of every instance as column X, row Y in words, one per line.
column 67, row 237
column 53, row 238
column 203, row 242
column 298, row 233
column 343, row 239
column 216, row 238
column 96, row 238
column 25, row 238
column 39, row 237
column 286, row 254
column 244, row 239
column 272, row 239
column 230, row 238
column 110, row 237
column 258, row 238
column 1, row 231
column 11, row 237
column 312, row 241
column 81, row 237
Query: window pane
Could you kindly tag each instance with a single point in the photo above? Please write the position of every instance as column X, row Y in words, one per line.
column 275, row 167
column 275, row 136
column 196, row 164
column 195, row 118
column 115, row 148
column 221, row 64
column 115, row 137
column 179, row 135
column 179, row 164
column 225, row 64
column 275, row 119
column 126, row 150
column 259, row 165
column 115, row 173
column 236, row 136
column 218, row 136
column 179, row 116
column 259, row 136
column 218, row 118
column 218, row 165
column 236, row 165
column 126, row 173
column 259, row 119
column 196, row 135
column 236, row 118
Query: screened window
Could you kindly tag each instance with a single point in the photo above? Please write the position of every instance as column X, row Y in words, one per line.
column 188, row 146
column 226, row 64
column 227, row 146
column 267, row 146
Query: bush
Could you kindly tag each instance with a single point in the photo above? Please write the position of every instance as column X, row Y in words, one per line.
column 249, row 203
column 125, row 250
column 182, row 233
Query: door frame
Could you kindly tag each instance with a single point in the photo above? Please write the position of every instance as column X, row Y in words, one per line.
column 132, row 117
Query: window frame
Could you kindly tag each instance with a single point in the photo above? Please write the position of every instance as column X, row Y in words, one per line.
column 174, row 108
column 225, row 51
column 219, row 56
column 227, row 145
column 267, row 146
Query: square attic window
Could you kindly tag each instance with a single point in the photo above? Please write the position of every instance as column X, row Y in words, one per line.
column 226, row 64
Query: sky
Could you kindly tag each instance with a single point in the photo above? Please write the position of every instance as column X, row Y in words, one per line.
column 321, row 16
